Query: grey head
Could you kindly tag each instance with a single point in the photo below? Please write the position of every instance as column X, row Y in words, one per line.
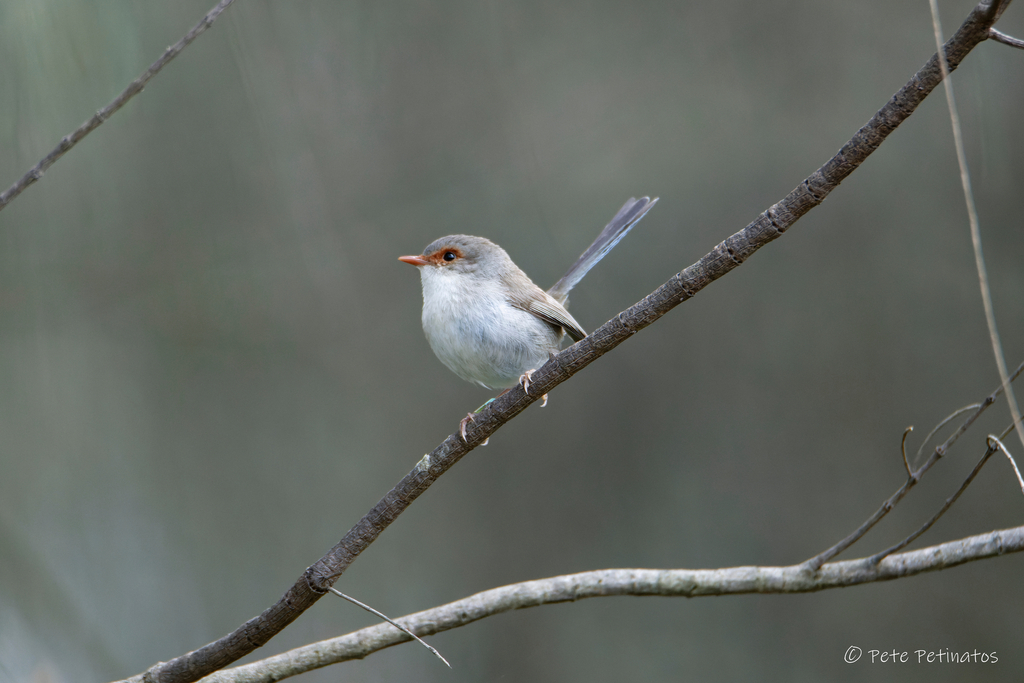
column 475, row 257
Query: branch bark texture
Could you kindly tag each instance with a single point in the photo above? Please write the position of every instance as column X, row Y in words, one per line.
column 726, row 256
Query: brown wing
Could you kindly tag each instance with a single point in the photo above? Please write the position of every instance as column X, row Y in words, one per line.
column 554, row 313
column 525, row 295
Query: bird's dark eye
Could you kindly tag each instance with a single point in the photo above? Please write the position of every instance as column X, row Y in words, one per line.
column 449, row 256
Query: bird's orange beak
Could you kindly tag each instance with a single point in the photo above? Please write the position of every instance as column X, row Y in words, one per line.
column 413, row 260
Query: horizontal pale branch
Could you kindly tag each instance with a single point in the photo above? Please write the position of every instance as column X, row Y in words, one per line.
column 689, row 583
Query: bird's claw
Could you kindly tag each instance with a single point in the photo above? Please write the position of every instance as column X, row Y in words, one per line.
column 524, row 380
column 466, row 420
column 463, row 424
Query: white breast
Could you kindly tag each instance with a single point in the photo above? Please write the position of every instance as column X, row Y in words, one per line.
column 478, row 334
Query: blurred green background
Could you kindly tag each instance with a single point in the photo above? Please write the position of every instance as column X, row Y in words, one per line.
column 212, row 362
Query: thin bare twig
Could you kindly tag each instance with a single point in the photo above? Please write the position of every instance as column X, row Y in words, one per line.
column 1001, row 37
column 390, row 621
column 133, row 89
column 972, row 218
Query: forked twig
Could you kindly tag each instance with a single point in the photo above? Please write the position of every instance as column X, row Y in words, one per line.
column 815, row 563
column 989, row 452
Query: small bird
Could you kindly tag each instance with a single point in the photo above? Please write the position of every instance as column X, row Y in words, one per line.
column 486, row 320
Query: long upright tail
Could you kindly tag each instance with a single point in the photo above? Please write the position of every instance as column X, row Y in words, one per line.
column 628, row 216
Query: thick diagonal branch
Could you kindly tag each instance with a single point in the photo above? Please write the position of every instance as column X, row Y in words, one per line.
column 726, row 256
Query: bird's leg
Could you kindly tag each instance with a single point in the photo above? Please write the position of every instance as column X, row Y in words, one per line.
column 486, row 403
column 524, row 381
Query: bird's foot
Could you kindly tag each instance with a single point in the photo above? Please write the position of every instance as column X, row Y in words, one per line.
column 524, row 381
column 469, row 418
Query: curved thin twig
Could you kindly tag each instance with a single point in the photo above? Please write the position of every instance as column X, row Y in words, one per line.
column 998, row 443
column 903, row 450
column 949, row 418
